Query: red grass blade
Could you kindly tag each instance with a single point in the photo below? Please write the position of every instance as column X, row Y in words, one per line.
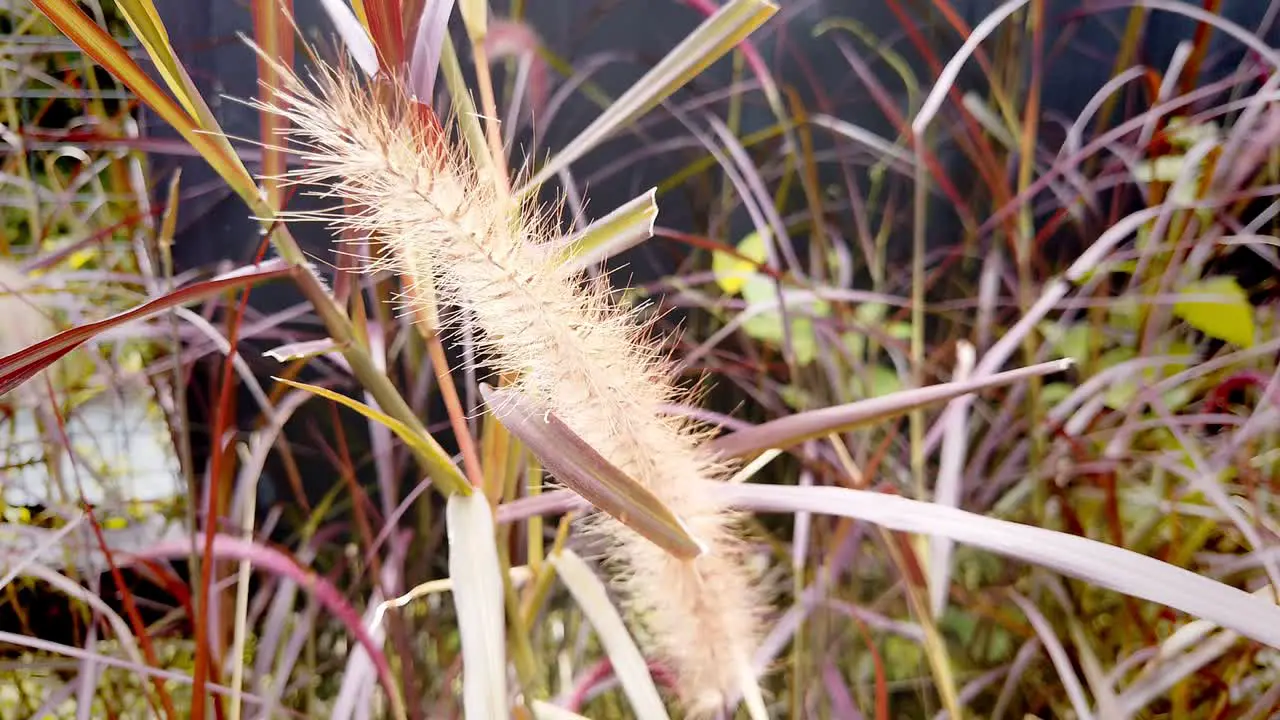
column 23, row 365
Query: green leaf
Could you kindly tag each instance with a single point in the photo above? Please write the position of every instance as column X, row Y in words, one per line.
column 767, row 325
column 878, row 381
column 732, row 272
column 1230, row 318
column 1054, row 393
column 1072, row 341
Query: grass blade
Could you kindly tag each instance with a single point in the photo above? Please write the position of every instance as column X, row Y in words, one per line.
column 19, row 367
column 108, row 53
column 543, row 710
column 628, row 663
column 1106, row 566
column 716, row 36
column 478, row 597
column 273, row 35
column 353, row 35
column 424, row 55
column 795, row 429
column 586, row 472
column 947, row 487
column 616, row 232
column 423, row 446
column 145, row 22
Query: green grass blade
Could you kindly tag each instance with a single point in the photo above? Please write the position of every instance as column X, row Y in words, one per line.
column 614, row 233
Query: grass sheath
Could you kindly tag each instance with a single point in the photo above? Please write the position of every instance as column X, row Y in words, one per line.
column 593, row 363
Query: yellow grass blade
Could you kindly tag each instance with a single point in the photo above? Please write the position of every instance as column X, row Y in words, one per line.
column 150, row 31
column 443, row 471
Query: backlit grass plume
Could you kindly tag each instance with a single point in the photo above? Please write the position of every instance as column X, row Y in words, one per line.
column 443, row 224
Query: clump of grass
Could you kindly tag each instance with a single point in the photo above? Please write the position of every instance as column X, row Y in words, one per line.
column 1160, row 445
column 447, row 228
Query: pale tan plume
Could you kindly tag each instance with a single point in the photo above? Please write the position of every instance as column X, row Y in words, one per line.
column 594, row 364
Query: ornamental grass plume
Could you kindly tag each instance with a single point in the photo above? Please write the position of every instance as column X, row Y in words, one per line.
column 440, row 223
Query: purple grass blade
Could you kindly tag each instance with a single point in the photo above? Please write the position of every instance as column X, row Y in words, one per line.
column 797, row 428
column 1104, row 565
column 586, row 472
column 23, row 365
column 428, row 43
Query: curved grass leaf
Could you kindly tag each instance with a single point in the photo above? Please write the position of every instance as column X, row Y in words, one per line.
column 423, row 446
column 19, row 367
column 589, row 474
column 628, row 663
column 478, row 598
column 795, row 429
column 614, row 233
column 353, row 35
column 1103, row 565
column 709, row 42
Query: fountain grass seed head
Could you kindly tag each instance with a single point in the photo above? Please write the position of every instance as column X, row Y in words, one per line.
column 436, row 220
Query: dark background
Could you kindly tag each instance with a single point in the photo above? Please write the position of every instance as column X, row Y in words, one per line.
column 215, row 225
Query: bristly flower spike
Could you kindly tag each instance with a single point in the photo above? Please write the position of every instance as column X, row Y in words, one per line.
column 574, row 351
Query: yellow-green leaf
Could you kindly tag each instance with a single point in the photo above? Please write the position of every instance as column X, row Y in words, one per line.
column 616, row 232
column 732, row 272
column 1230, row 317
column 443, row 471
column 767, row 325
column 145, row 22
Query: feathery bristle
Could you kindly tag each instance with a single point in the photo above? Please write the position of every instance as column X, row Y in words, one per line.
column 592, row 363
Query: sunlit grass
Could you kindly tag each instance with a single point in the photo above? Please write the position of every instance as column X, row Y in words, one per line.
column 1066, row 504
